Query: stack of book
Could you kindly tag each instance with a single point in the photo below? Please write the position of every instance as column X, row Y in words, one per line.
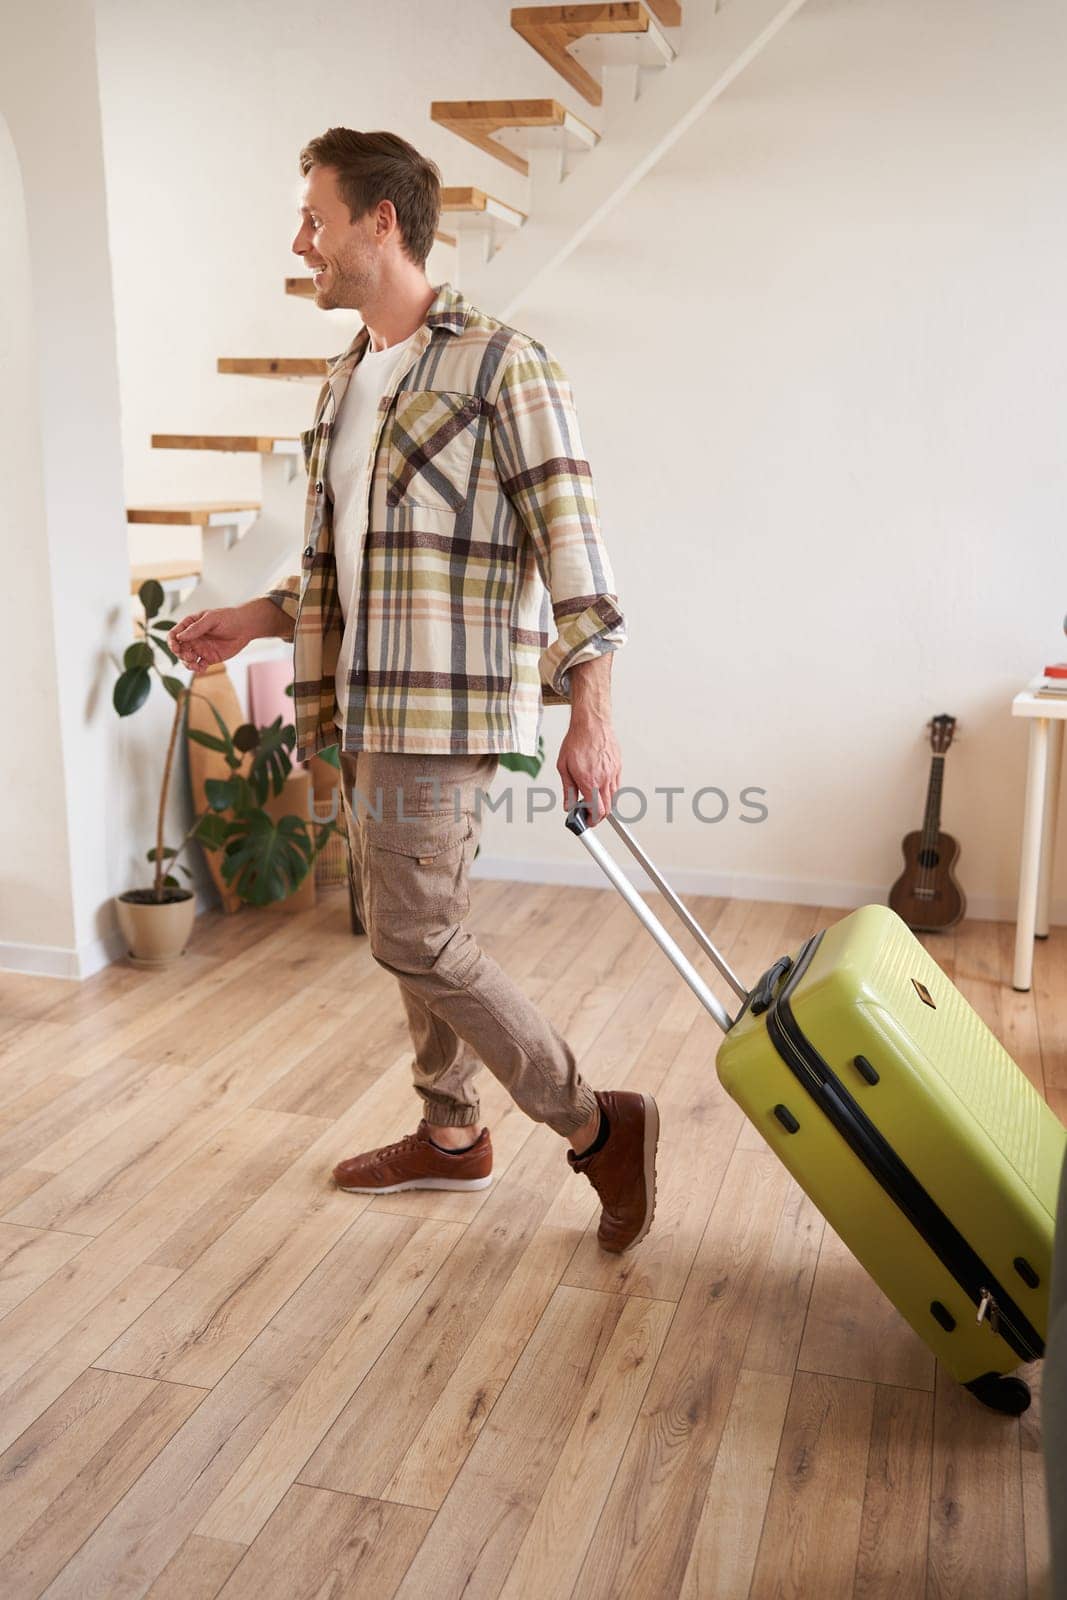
column 1054, row 680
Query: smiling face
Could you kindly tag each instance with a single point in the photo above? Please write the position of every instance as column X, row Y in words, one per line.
column 341, row 254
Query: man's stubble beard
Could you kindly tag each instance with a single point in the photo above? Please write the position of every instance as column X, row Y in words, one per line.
column 345, row 292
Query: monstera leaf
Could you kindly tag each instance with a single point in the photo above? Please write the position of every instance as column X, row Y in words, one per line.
column 264, row 860
column 271, row 764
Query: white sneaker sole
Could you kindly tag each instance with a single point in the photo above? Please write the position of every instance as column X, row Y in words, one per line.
column 422, row 1183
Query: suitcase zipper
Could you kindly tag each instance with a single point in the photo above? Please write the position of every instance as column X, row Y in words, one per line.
column 901, row 1185
column 987, row 1307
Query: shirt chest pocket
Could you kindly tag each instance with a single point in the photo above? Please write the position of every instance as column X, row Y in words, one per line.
column 432, row 443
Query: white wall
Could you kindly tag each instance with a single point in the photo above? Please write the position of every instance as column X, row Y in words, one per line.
column 819, row 359
column 61, row 519
column 35, row 836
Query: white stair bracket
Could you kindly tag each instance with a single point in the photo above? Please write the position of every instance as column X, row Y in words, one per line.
column 473, row 249
column 551, row 153
column 242, row 558
column 622, row 86
column 566, row 140
column 548, row 168
column 480, row 223
column 577, row 41
column 232, row 524
column 646, row 52
column 232, row 527
column 509, row 130
column 176, row 579
column 717, row 47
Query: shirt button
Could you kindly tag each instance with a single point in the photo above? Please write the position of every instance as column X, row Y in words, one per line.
column 318, row 487
column 309, row 550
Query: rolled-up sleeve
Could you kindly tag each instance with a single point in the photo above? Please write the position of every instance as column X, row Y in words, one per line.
column 286, row 595
column 545, row 474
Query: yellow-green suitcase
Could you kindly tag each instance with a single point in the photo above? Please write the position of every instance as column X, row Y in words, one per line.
column 903, row 1117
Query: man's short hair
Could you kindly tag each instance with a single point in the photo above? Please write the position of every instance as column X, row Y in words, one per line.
column 381, row 166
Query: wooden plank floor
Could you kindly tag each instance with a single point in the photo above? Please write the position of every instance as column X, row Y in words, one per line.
column 221, row 1376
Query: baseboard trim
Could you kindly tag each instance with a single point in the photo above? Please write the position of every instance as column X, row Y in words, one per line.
column 57, row 961
column 53, row 961
column 585, row 874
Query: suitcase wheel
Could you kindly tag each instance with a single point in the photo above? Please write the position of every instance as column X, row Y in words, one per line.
column 1011, row 1396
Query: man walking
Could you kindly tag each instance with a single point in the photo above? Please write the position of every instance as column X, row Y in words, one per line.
column 450, row 516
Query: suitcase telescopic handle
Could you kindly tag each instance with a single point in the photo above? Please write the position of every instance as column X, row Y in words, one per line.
column 577, row 821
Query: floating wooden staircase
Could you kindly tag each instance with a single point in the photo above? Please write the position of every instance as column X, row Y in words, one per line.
column 594, row 48
column 649, row 78
column 650, row 89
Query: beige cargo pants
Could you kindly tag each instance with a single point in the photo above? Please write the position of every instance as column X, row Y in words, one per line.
column 414, row 822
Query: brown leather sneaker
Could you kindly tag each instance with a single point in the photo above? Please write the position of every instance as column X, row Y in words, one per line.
column 623, row 1170
column 415, row 1162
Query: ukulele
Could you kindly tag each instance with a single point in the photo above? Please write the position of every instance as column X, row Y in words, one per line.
column 926, row 895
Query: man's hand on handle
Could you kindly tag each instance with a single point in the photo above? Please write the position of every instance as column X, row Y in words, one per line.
column 590, row 761
column 590, row 765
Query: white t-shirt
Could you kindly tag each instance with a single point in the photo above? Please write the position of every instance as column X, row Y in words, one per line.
column 348, row 466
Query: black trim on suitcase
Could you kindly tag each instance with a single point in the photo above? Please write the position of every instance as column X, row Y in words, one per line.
column 882, row 1161
column 762, row 995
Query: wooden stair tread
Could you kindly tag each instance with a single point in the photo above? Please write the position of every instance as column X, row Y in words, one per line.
column 253, row 444
column 190, row 513
column 551, row 30
column 481, row 121
column 163, row 571
column 274, row 366
column 461, row 202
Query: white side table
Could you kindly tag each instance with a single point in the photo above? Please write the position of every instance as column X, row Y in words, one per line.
column 1048, row 715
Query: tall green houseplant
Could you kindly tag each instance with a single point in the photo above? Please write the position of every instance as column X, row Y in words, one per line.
column 264, row 859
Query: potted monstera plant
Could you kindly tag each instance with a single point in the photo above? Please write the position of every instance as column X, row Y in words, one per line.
column 263, row 859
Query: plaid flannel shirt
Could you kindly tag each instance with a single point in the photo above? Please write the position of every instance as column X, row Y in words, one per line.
column 480, row 529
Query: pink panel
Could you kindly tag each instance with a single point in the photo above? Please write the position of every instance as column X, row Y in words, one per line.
column 267, row 698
